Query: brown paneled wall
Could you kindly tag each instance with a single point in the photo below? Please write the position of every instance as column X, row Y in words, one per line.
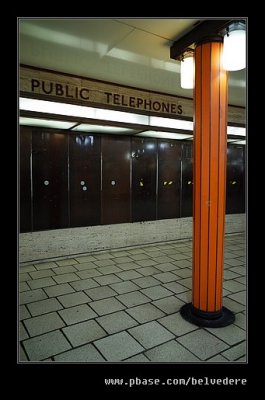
column 69, row 179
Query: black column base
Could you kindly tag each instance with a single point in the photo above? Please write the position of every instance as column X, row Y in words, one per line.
column 208, row 319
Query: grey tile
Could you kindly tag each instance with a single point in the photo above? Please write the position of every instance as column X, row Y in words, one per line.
column 240, row 297
column 183, row 263
column 111, row 269
column 202, row 344
column 91, row 273
column 146, row 263
column 23, row 313
column 137, row 359
column 177, row 325
column 229, row 274
column 234, row 262
column 127, row 275
column 23, row 286
column 153, row 253
column 242, row 279
column 234, row 286
column 184, row 272
column 118, row 347
column 233, row 305
column 165, row 267
column 73, row 299
column 104, row 263
column 124, row 287
column 187, row 282
column 128, row 266
column 234, row 353
column 146, row 282
column 67, row 261
column 175, row 287
column 85, row 266
column 41, row 283
column 83, row 259
column 119, row 253
column 45, row 346
column 101, row 292
column 64, row 270
column 86, row 353
column 107, row 280
column 66, row 278
column 103, row 256
column 242, row 359
column 137, row 250
column 170, row 352
column 180, row 256
column 26, row 268
column 106, row 306
column 44, row 306
column 151, row 334
column 76, row 314
column 139, row 257
column 43, row 323
column 133, row 298
column 226, row 292
column 24, row 277
column 22, row 332
column 240, row 320
column 230, row 334
column 145, row 313
column 228, row 255
column 83, row 332
column 239, row 270
column 186, row 296
column 58, row 290
column 165, row 277
column 84, row 284
column 146, row 271
column 32, row 295
column 217, row 359
column 22, row 355
column 162, row 259
column 169, row 304
column 41, row 274
column 122, row 260
column 45, row 265
column 116, row 322
column 156, row 292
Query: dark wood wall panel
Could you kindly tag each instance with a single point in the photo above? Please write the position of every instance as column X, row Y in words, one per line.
column 144, row 167
column 25, row 180
column 50, row 179
column 115, row 179
column 169, row 171
column 85, row 184
column 235, row 185
column 186, row 180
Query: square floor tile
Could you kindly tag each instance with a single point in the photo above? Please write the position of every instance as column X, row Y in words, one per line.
column 77, row 314
column 171, row 352
column 137, row 359
column 84, row 332
column 165, row 277
column 86, row 353
column 45, row 346
column 133, row 298
column 58, row 290
column 235, row 352
column 175, row 287
column 84, row 284
column 101, row 292
column 118, row 347
column 230, row 334
column 43, row 323
column 202, row 344
column 107, row 279
column 32, row 295
column 151, row 334
column 66, row 278
column 145, row 313
column 41, row 283
column 240, row 297
column 169, row 304
column 73, row 299
column 106, row 306
column 156, row 292
column 116, row 322
column 124, row 287
column 44, row 306
column 146, row 282
column 23, row 313
column 176, row 324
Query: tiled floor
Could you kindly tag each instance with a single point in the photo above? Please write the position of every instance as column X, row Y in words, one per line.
column 123, row 305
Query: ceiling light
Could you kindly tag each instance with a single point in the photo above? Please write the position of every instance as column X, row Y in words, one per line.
column 234, row 52
column 164, row 135
column 236, row 130
column 45, row 123
column 187, row 70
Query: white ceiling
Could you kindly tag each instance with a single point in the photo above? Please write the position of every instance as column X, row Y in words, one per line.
column 134, row 52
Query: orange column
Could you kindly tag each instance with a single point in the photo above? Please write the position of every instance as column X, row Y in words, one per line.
column 209, row 188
